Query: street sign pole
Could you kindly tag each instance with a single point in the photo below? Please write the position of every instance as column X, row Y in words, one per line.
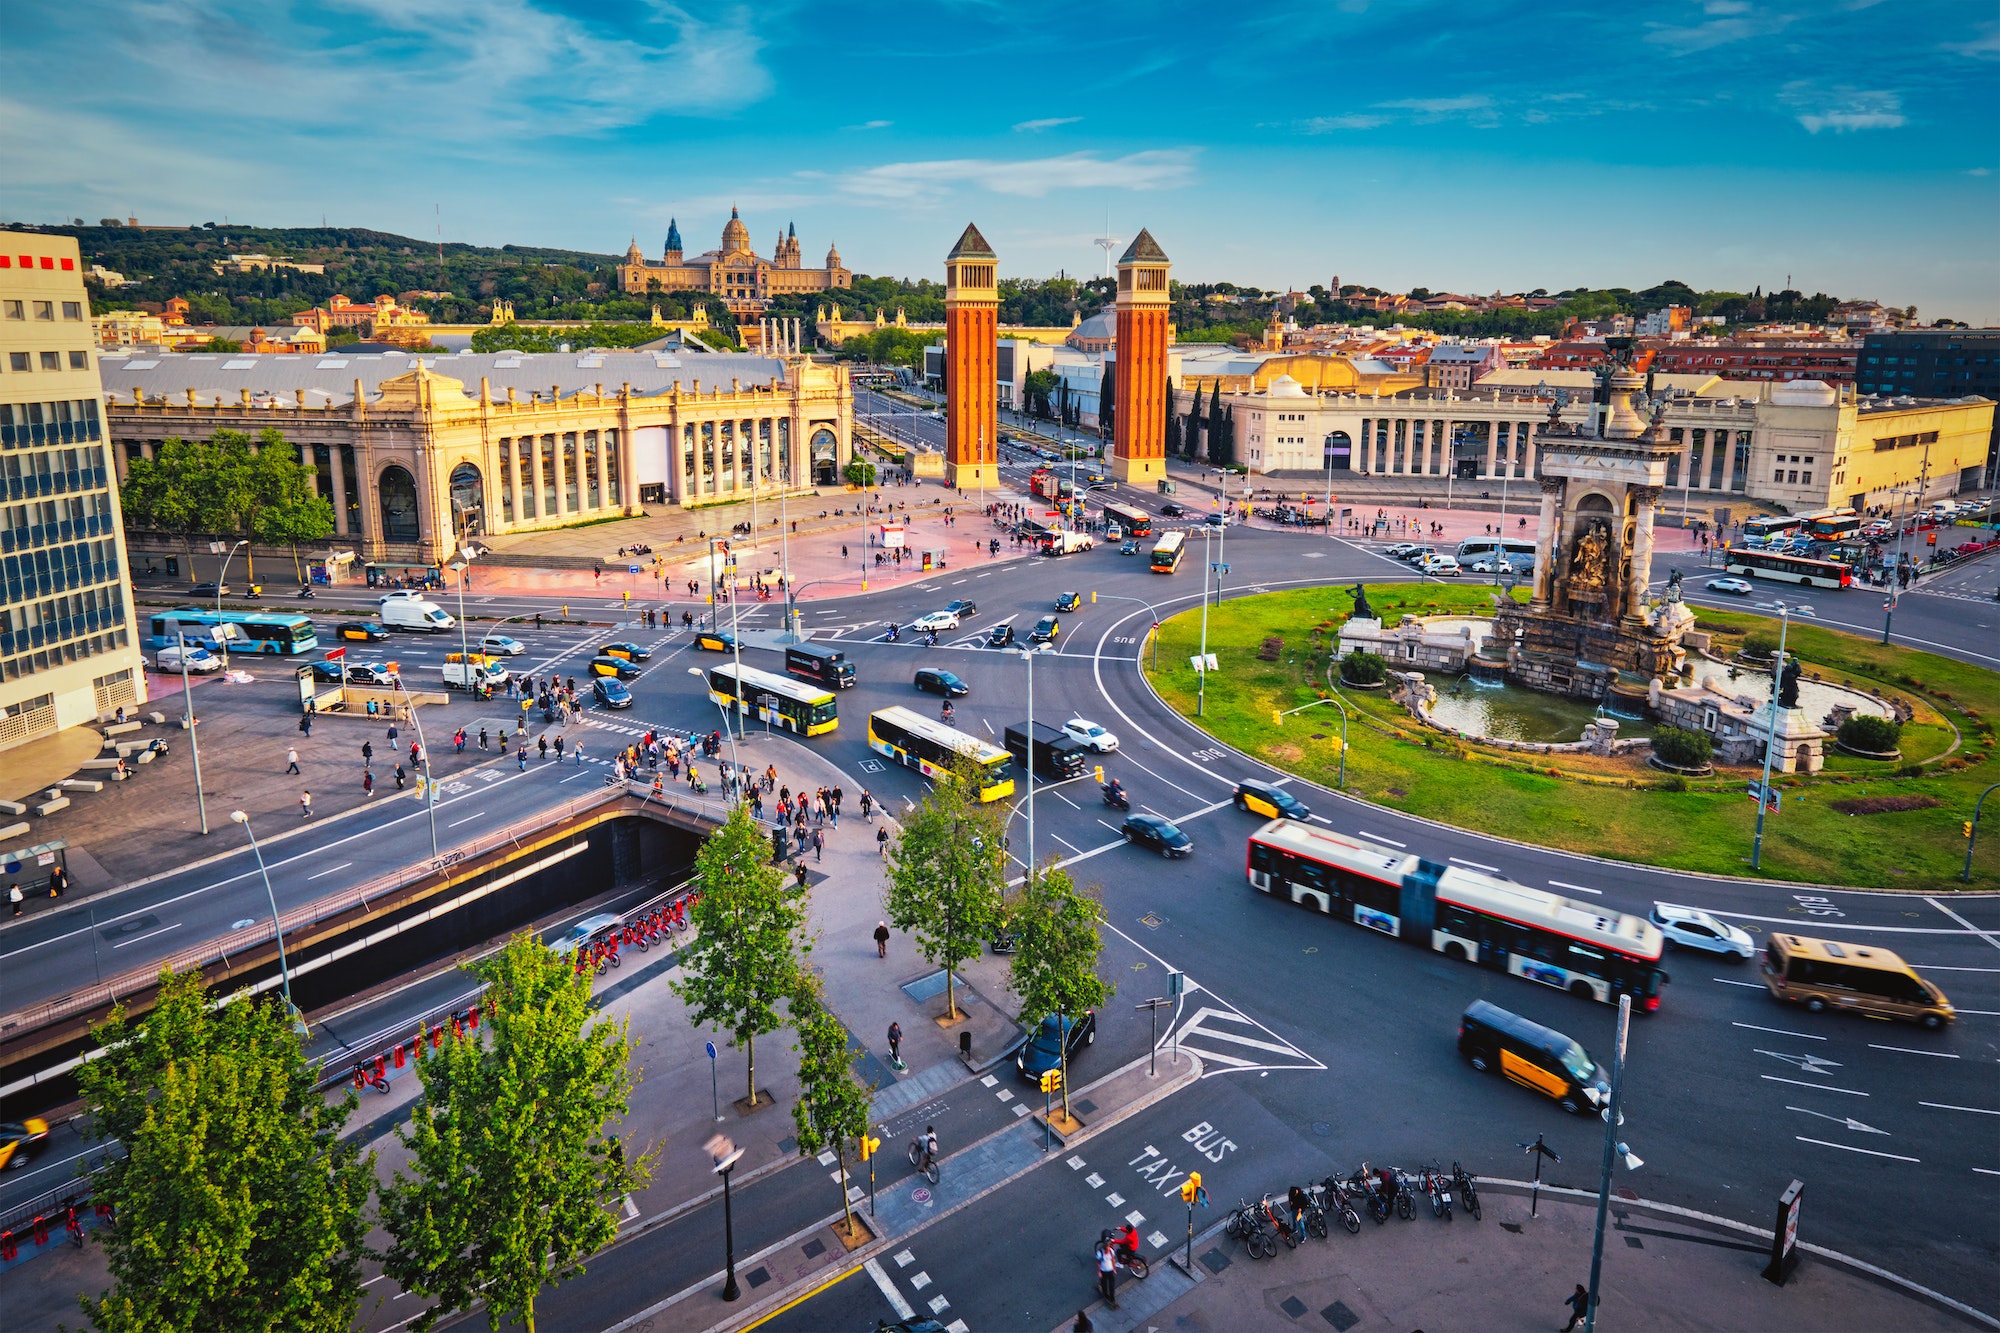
column 714, row 1096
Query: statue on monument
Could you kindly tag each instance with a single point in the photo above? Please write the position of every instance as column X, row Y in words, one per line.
column 1586, row 564
column 1788, row 683
column 1362, row 611
column 1674, row 586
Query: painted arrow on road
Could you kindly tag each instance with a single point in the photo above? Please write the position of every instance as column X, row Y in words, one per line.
column 1812, row 1064
column 1854, row 1125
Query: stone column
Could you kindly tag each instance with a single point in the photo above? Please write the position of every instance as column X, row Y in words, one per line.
column 1492, row 449
column 1646, row 499
column 339, row 490
column 1545, row 544
column 1527, row 452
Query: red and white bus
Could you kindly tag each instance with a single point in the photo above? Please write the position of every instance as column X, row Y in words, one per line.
column 1473, row 917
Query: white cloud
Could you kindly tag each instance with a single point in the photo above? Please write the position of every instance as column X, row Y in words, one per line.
column 1979, row 171
column 1045, row 123
column 1842, row 110
column 1986, row 46
column 872, row 125
column 1728, row 21
column 1335, row 124
column 1441, row 106
column 1160, row 169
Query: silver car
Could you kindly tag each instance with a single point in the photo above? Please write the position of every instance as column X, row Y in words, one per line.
column 1692, row 928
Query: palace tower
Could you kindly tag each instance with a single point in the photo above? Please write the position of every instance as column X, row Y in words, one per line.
column 971, row 354
column 1138, row 452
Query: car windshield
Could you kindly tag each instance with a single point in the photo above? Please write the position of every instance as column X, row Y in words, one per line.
column 950, row 679
column 1577, row 1063
column 1168, row 832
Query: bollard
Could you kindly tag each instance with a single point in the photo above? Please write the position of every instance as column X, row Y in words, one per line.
column 965, row 1047
column 41, row 1228
column 9, row 1248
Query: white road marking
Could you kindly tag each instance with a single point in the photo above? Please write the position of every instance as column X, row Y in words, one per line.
column 1984, row 935
column 1727, row 982
column 1376, row 837
column 1780, row 1031
column 1065, row 800
column 1816, row 1087
column 1475, row 865
column 1850, row 1123
column 903, row 1309
column 147, row 936
column 1064, row 841
column 1986, row 1171
column 1321, row 819
column 1556, row 883
column 330, row 870
column 1911, row 1050
column 1869, row 1152
column 1947, row 1106
column 1940, row 967
column 467, row 820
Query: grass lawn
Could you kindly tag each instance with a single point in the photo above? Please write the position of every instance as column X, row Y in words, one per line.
column 1612, row 808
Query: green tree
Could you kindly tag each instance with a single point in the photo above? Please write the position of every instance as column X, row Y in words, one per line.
column 860, row 472
column 237, row 1204
column 512, row 1178
column 172, row 492
column 289, row 508
column 1218, row 446
column 744, row 958
column 1055, row 958
column 947, row 873
column 833, row 1106
column 1191, row 438
column 1037, row 389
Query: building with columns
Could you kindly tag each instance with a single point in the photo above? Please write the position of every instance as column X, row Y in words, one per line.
column 734, row 272
column 416, row 455
column 971, row 342
column 1139, row 426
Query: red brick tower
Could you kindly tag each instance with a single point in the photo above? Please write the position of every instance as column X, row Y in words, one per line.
column 1139, row 444
column 971, row 363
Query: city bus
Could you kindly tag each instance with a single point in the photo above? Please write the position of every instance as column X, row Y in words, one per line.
column 273, row 632
column 167, row 629
column 1136, row 522
column 776, row 700
column 1833, row 526
column 1167, row 552
column 1467, row 916
column 1789, row 568
column 1757, row 531
column 931, row 747
column 1520, row 554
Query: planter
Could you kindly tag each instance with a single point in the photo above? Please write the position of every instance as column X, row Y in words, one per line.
column 1706, row 770
column 1867, row 754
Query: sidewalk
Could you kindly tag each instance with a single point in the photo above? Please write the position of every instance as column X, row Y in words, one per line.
column 1511, row 1271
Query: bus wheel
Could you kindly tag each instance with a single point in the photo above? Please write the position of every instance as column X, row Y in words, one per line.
column 1455, row 951
column 1478, row 1062
column 1582, row 990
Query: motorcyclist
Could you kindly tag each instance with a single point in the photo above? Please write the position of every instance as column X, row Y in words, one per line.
column 1116, row 791
column 894, row 633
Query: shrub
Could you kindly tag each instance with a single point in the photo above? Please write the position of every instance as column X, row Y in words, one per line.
column 1273, row 649
column 1759, row 643
column 1866, row 731
column 860, row 472
column 1683, row 748
column 1674, row 783
column 1360, row 668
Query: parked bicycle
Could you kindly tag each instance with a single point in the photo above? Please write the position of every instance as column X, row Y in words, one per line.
column 1438, row 1185
column 1332, row 1196
column 1249, row 1225
column 1467, row 1190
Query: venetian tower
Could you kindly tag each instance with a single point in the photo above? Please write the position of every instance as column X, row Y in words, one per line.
column 971, row 356
column 1139, row 446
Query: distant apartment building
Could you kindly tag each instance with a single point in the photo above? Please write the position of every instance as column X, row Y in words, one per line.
column 68, row 652
column 1774, row 360
column 259, row 263
column 340, row 313
column 1462, row 365
column 1935, row 363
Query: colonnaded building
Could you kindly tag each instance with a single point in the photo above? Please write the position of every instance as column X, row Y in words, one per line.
column 418, row 454
column 743, row 279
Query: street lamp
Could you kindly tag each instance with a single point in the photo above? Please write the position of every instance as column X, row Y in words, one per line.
column 1613, row 1150
column 187, row 702
column 1027, row 654
column 724, row 1154
column 221, row 638
column 697, row 671
column 462, row 568
column 1201, row 668
column 430, row 787
column 277, row 927
column 1113, row 597
column 1279, row 719
column 1785, row 615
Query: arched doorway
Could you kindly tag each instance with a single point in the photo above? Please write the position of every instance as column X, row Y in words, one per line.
column 468, row 501
column 399, row 505
column 1340, row 451
column 825, row 458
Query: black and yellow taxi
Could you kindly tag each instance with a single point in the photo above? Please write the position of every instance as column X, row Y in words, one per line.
column 20, row 1141
column 715, row 641
column 617, row 668
column 631, row 652
column 1068, row 601
column 1046, row 629
column 1269, row 800
column 368, row 631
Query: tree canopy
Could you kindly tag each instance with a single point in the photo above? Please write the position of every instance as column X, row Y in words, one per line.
column 947, row 873
column 229, row 485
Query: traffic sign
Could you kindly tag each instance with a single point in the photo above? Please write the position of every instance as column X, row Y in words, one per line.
column 711, row 1049
column 631, row 569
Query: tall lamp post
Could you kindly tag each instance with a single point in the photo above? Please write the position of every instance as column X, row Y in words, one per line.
column 1113, row 597
column 222, row 639
column 697, row 671
column 724, row 1154
column 1279, row 719
column 277, row 927
column 187, row 702
column 430, row 787
column 1613, row 1150
column 462, row 567
column 1785, row 614
column 1201, row 669
column 1027, row 654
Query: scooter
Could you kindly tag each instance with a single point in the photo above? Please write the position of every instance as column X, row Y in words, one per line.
column 895, row 634
column 1115, row 796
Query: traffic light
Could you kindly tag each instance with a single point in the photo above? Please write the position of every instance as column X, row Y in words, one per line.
column 1277, row 718
column 1098, row 772
column 1965, row 829
column 1052, row 1081
column 869, row 1146
column 1190, row 1187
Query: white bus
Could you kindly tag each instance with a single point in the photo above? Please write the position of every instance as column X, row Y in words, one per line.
column 931, row 747
column 1520, row 554
column 1167, row 552
column 781, row 701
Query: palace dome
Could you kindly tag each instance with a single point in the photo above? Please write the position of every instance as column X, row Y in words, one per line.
column 735, row 236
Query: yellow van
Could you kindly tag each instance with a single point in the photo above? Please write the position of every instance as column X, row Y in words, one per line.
column 1861, row 979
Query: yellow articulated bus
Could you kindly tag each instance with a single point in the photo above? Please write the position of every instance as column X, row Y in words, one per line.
column 931, row 747
column 778, row 701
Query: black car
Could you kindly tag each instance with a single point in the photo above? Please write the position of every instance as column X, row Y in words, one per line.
column 630, row 651
column 932, row 681
column 1269, row 800
column 616, row 667
column 964, row 608
column 1068, row 601
column 1172, row 510
column 1041, row 1055
column 328, row 671
column 1157, row 834
column 1000, row 635
column 611, row 692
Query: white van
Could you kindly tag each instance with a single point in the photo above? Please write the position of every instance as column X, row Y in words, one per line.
column 403, row 613
column 200, row 661
column 480, row 671
column 1439, row 566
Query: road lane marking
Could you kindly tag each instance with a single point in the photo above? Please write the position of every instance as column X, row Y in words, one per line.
column 1816, row 1087
column 1947, row 1106
column 324, row 873
column 1986, row 1171
column 1475, row 865
column 1780, row 1031
column 467, row 820
column 1376, row 837
column 1727, row 982
column 1065, row 841
column 1556, row 883
column 903, row 1309
column 1940, row 967
column 1849, row 1122
column 1984, row 935
column 1868, row 1152
column 1911, row 1050
column 147, row 936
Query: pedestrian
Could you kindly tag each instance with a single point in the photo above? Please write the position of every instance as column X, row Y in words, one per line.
column 458, row 741
column 292, row 759
column 1579, row 1303
column 399, row 777
column 559, row 749
column 882, row 842
column 392, row 731
column 306, row 804
column 367, row 783
column 1107, row 1274
column 578, row 748
column 802, row 874
column 58, row 881
column 867, row 807
column 14, row 897
column 542, row 744
column 819, row 845
column 306, row 725
column 895, row 1043
column 520, row 757
column 882, row 944
column 1082, row 1324
column 482, row 738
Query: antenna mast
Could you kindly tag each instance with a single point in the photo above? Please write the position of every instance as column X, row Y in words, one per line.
column 1107, row 243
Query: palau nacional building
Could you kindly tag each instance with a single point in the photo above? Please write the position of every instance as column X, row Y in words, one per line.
column 742, row 279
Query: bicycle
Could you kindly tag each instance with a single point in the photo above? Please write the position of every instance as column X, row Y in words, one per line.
column 1283, row 1223
column 1466, row 1189
column 75, row 1223
column 1131, row 1260
column 1438, row 1185
column 925, row 1161
column 1312, row 1214
column 1337, row 1198
column 1406, row 1197
column 1248, row 1224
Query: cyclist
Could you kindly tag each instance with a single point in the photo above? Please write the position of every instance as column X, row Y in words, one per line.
column 928, row 1146
column 947, row 710
column 1124, row 1240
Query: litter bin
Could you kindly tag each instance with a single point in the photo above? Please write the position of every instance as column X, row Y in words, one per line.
column 780, row 844
column 173, row 566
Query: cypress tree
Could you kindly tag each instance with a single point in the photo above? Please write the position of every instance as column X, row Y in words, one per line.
column 1217, row 446
column 1107, row 398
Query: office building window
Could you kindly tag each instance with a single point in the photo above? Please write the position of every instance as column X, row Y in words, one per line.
column 51, row 360
column 45, row 310
column 15, row 310
column 79, row 361
column 72, row 309
column 17, row 360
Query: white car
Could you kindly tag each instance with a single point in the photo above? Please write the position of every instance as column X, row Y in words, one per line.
column 1692, row 928
column 200, row 661
column 1486, row 565
column 1740, row 587
column 936, row 620
column 501, row 644
column 1090, row 734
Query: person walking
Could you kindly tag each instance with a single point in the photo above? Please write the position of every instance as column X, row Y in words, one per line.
column 559, row 748
column 819, row 845
column 306, row 804
column 1579, row 1304
column 867, row 807
column 577, row 750
column 542, row 744
column 801, row 869
column 482, row 738
column 367, row 783
column 881, row 939
column 367, row 752
column 14, row 896
column 292, row 759
column 399, row 777
column 1107, row 1274
column 896, row 1044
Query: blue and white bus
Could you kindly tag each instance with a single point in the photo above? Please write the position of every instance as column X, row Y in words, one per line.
column 277, row 632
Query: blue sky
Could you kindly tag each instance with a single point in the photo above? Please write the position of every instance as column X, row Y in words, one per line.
column 1474, row 147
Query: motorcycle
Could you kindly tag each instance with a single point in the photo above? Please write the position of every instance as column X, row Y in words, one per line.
column 306, row 592
column 895, row 634
column 930, row 639
column 1115, row 796
column 1004, row 941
